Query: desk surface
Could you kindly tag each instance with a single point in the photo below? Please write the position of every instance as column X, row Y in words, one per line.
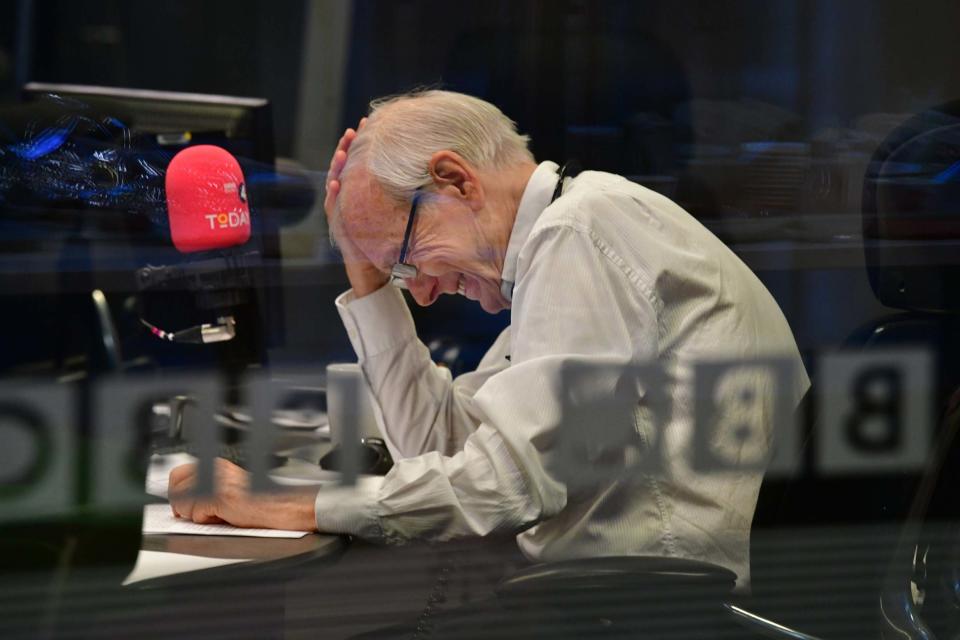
column 310, row 546
column 263, row 555
column 268, row 558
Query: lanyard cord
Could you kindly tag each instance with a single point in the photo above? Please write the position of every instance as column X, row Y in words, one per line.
column 572, row 168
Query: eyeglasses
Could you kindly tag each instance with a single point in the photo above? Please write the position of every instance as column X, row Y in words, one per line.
column 401, row 271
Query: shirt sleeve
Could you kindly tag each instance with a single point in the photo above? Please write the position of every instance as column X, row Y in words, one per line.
column 577, row 322
column 418, row 405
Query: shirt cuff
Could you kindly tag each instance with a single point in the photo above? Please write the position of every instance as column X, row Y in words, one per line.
column 376, row 322
column 350, row 509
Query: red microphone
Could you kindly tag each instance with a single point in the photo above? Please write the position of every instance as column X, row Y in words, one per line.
column 206, row 200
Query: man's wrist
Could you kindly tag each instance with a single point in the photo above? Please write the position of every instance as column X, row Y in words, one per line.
column 365, row 279
column 304, row 509
column 308, row 513
column 365, row 288
column 377, row 322
column 294, row 510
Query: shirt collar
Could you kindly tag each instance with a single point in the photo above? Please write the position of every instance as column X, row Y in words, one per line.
column 536, row 197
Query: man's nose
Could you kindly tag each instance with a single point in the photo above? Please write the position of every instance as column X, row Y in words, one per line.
column 424, row 289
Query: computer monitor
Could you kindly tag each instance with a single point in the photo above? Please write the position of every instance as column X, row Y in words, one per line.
column 244, row 126
column 81, row 199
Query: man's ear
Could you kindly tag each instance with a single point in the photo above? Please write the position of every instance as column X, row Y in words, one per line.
column 448, row 170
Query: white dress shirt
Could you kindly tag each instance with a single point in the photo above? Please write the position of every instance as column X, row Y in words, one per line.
column 608, row 276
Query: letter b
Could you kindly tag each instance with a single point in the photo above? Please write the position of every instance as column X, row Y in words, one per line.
column 873, row 412
column 874, row 426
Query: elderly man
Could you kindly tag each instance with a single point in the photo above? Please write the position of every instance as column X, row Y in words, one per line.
column 438, row 192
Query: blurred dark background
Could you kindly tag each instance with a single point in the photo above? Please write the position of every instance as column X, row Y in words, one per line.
column 761, row 117
column 551, row 65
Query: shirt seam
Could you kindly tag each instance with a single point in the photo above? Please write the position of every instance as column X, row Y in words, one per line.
column 667, row 537
column 639, row 280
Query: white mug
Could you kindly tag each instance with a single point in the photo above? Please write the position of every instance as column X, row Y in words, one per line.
column 349, row 406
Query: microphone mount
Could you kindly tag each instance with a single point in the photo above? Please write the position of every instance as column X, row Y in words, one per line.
column 220, row 282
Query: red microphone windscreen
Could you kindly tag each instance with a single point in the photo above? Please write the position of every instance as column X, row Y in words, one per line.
column 206, row 200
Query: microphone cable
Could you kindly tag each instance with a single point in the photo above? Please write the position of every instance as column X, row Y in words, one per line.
column 225, row 329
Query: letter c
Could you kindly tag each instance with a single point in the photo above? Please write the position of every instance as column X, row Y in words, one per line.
column 22, row 417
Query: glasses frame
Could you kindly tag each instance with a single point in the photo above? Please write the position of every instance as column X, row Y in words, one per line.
column 402, row 270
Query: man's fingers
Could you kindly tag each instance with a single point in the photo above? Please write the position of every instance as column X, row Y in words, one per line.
column 339, row 155
column 182, row 507
column 199, row 511
column 180, row 487
column 336, row 166
column 333, row 179
column 345, row 141
column 345, row 138
column 342, row 144
column 223, row 465
column 339, row 159
column 337, row 162
column 333, row 188
column 205, row 515
column 179, row 483
column 181, row 473
column 203, row 509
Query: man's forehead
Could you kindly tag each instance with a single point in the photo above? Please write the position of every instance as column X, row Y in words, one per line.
column 370, row 218
column 358, row 187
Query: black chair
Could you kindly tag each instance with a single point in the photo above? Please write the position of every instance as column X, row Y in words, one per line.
column 912, row 197
column 920, row 598
column 620, row 597
column 646, row 597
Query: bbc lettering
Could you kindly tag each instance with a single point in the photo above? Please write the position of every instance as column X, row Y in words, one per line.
column 874, row 412
column 873, row 416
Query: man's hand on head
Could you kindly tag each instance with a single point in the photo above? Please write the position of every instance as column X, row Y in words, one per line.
column 364, row 277
column 337, row 162
column 232, row 502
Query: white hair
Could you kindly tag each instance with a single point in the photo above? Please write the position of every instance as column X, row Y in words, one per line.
column 403, row 132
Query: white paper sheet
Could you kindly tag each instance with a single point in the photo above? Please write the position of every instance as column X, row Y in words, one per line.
column 153, row 564
column 158, row 518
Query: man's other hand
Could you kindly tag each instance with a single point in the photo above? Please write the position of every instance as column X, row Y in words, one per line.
column 364, row 277
column 232, row 502
column 336, row 166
